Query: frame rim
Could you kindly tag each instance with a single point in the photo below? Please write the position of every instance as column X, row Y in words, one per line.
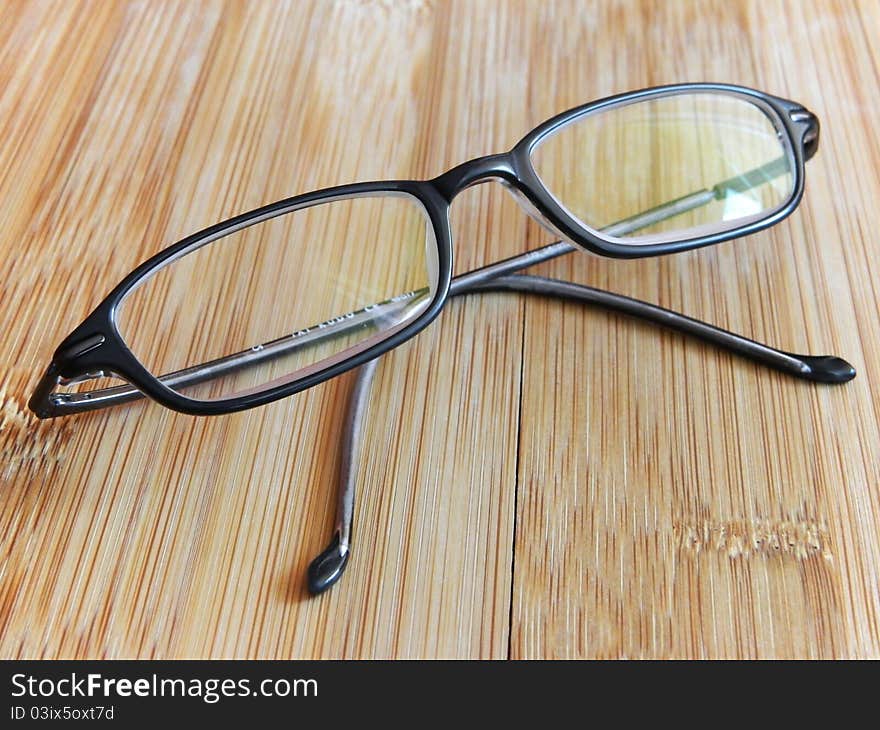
column 529, row 183
column 97, row 345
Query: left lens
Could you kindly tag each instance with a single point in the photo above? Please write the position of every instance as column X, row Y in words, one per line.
column 265, row 304
column 669, row 167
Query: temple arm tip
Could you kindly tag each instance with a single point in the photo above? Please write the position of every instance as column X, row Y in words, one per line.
column 328, row 567
column 827, row 369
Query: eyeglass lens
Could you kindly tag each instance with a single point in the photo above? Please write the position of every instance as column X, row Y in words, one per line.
column 281, row 298
column 684, row 165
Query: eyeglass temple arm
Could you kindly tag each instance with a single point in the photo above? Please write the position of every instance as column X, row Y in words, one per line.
column 329, row 566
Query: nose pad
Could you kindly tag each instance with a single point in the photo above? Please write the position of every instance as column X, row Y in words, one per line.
column 537, row 216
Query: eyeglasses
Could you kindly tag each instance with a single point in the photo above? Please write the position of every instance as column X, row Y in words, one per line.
column 284, row 297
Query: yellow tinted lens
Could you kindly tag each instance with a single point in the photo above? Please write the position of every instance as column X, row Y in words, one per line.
column 284, row 297
column 675, row 166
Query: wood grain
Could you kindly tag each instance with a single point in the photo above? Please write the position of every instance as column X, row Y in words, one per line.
column 539, row 479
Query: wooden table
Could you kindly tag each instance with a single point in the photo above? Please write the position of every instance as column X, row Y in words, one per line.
column 539, row 479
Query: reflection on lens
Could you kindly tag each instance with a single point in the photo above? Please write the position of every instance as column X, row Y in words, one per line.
column 285, row 297
column 671, row 167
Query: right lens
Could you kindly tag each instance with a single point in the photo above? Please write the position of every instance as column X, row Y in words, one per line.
column 272, row 302
column 670, row 167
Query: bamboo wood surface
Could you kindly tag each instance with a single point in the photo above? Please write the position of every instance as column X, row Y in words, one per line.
column 539, row 479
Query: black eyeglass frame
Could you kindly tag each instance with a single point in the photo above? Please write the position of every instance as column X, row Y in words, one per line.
column 96, row 346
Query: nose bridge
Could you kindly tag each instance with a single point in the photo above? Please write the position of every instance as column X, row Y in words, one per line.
column 500, row 168
column 473, row 172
